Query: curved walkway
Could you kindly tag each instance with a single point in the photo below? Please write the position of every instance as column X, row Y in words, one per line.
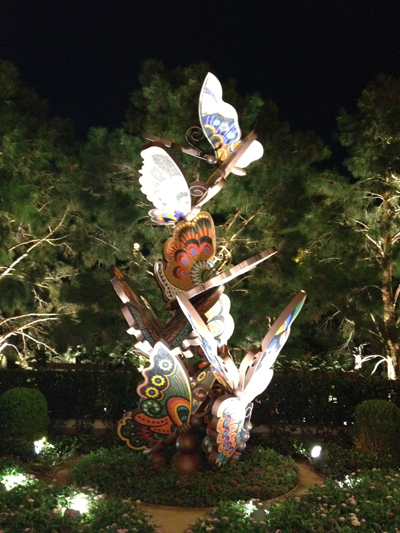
column 179, row 519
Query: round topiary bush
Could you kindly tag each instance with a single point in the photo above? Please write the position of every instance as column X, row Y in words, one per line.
column 23, row 419
column 377, row 427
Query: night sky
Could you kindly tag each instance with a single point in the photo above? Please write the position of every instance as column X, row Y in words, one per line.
column 311, row 57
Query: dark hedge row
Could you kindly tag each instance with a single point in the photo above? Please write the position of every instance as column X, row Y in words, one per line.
column 323, row 400
column 81, row 395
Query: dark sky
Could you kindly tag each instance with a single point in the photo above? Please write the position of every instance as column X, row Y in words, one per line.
column 311, row 57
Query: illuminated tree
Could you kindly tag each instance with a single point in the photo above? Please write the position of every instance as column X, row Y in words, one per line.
column 353, row 257
column 35, row 209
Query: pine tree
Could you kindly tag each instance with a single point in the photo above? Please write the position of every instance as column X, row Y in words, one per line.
column 35, row 169
column 372, row 137
column 352, row 256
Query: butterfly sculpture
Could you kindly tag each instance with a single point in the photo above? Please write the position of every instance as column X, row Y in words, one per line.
column 165, row 185
column 189, row 255
column 162, row 179
column 219, row 121
column 174, row 395
column 176, row 332
column 168, row 399
column 241, row 385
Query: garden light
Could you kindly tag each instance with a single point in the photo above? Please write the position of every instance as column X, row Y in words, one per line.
column 250, row 507
column 79, row 502
column 316, row 452
column 13, row 480
column 41, row 444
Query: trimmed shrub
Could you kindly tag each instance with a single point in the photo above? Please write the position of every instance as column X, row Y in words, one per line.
column 377, row 427
column 23, row 419
column 338, row 461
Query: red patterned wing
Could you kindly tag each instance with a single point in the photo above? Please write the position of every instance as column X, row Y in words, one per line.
column 166, row 400
column 229, row 415
column 188, row 255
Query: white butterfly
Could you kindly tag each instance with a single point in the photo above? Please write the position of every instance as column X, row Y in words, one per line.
column 219, row 121
column 241, row 385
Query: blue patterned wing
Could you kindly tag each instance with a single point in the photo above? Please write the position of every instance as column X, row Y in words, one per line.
column 255, row 370
column 219, row 121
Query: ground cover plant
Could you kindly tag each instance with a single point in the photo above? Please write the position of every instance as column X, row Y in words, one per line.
column 366, row 501
column 28, row 504
column 354, row 496
column 121, row 472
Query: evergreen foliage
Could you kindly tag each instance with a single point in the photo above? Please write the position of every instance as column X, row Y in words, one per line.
column 23, row 419
column 353, row 256
column 377, row 427
column 69, row 210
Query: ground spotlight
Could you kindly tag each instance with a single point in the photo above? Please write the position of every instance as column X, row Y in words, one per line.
column 316, row 452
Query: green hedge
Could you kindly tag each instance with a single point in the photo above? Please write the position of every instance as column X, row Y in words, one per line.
column 320, row 399
column 326, row 401
column 81, row 395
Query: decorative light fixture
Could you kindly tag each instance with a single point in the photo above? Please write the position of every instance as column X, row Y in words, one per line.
column 79, row 502
column 42, row 444
column 316, row 452
column 13, row 480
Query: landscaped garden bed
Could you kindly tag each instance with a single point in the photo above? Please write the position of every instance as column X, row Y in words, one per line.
column 108, row 482
column 108, row 479
column 262, row 474
column 105, row 479
column 365, row 501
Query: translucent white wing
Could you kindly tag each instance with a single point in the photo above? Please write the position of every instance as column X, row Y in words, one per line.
column 255, row 370
column 219, row 121
column 220, row 321
column 224, row 370
column 164, row 185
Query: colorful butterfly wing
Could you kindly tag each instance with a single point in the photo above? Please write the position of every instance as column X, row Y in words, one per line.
column 165, row 400
column 140, row 431
column 255, row 370
column 227, row 429
column 277, row 336
column 188, row 255
column 164, row 185
column 219, row 121
column 166, row 387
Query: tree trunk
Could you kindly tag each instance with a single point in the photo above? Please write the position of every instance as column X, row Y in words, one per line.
column 392, row 365
column 390, row 333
